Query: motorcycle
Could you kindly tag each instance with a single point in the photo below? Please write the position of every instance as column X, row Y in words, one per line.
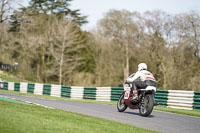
column 145, row 101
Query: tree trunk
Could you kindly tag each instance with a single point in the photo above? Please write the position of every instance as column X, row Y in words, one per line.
column 60, row 70
column 2, row 10
column 196, row 41
column 164, row 71
column 38, row 73
column 126, row 69
column 43, row 68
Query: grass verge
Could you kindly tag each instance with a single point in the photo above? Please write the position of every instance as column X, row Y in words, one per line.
column 20, row 118
column 9, row 78
column 179, row 111
column 160, row 108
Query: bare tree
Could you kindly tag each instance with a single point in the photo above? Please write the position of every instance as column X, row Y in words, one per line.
column 5, row 8
column 33, row 44
column 66, row 40
column 108, row 68
column 5, row 39
column 188, row 27
column 121, row 28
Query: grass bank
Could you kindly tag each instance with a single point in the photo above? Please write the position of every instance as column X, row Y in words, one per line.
column 20, row 118
column 179, row 111
column 9, row 78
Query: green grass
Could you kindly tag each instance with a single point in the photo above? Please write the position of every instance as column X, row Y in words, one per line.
column 20, row 118
column 178, row 111
column 9, row 78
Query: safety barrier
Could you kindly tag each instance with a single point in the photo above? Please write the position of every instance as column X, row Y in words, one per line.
column 178, row 99
column 1, row 84
column 74, row 92
column 171, row 98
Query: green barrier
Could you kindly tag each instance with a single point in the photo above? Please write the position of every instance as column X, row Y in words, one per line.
column 5, row 85
column 161, row 97
column 196, row 103
column 16, row 86
column 30, row 88
column 116, row 93
column 65, row 91
column 89, row 93
column 47, row 89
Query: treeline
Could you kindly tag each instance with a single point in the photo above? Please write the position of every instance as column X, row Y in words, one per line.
column 50, row 47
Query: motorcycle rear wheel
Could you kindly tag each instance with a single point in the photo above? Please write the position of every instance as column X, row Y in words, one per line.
column 146, row 106
column 121, row 106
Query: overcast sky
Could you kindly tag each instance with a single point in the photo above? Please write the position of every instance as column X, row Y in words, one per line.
column 96, row 9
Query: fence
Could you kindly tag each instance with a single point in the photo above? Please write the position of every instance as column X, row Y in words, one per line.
column 178, row 99
column 74, row 92
column 171, row 98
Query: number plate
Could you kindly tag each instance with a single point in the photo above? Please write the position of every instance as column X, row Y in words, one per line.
column 126, row 95
column 127, row 88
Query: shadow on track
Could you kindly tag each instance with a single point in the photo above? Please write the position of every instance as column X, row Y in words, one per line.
column 137, row 113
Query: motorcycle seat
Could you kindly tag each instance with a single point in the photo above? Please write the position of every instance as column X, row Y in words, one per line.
column 149, row 88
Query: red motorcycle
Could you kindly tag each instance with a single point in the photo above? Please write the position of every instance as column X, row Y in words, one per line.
column 145, row 101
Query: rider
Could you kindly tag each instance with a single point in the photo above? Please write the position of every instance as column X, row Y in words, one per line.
column 146, row 79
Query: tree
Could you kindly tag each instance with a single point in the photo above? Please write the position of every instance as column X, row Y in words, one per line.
column 188, row 27
column 33, row 45
column 66, row 39
column 187, row 40
column 33, row 26
column 88, row 55
column 5, row 40
column 5, row 6
column 59, row 8
column 155, row 45
column 121, row 28
column 108, row 69
column 6, row 9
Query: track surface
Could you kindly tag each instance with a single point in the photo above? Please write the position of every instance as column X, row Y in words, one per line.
column 159, row 121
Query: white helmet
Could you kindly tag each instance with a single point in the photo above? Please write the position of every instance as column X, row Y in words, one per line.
column 142, row 66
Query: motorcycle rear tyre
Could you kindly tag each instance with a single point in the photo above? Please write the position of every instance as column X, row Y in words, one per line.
column 150, row 106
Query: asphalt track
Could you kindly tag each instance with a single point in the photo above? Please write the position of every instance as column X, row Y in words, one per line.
column 159, row 121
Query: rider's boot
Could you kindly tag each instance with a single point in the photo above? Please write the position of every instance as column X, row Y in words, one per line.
column 134, row 95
